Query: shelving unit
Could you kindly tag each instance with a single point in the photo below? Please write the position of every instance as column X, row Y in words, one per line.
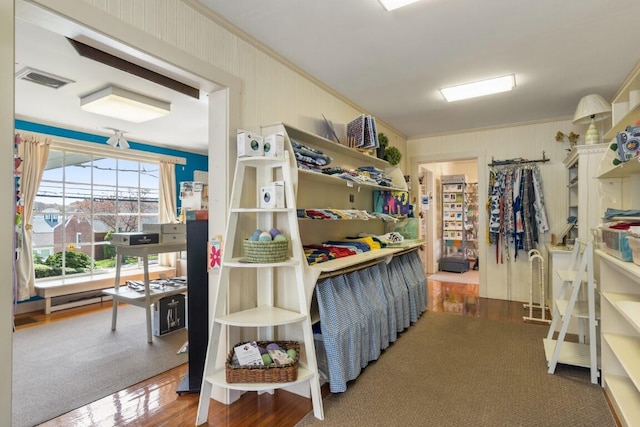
column 620, row 280
column 458, row 227
column 576, row 299
column 621, row 336
column 260, row 301
column 582, row 189
column 623, row 112
column 316, row 191
column 150, row 296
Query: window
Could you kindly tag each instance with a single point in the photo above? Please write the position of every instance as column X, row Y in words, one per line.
column 82, row 199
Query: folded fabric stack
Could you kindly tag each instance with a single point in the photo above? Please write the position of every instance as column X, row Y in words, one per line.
column 333, row 249
column 309, row 158
column 314, row 160
column 335, row 214
column 377, row 175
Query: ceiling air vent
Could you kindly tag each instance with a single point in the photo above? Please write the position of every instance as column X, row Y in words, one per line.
column 42, row 78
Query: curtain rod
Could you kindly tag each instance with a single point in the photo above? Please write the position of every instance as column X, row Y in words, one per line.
column 518, row 161
column 105, row 150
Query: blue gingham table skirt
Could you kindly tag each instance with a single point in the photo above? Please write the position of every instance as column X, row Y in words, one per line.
column 362, row 312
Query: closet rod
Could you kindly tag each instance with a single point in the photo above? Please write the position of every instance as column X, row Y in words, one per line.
column 518, row 161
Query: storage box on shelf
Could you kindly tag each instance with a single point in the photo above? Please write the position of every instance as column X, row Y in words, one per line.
column 634, row 244
column 614, row 241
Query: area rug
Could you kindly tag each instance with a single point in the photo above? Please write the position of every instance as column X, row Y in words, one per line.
column 449, row 370
column 67, row 364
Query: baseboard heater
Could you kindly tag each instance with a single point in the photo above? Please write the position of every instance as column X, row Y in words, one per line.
column 78, row 299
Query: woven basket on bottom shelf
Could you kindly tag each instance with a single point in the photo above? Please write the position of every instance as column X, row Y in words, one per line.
column 265, row 252
column 264, row 374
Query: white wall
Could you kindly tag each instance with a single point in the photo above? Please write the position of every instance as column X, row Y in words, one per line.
column 508, row 280
column 6, row 207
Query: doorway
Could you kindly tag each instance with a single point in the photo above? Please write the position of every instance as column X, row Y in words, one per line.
column 449, row 211
column 215, row 117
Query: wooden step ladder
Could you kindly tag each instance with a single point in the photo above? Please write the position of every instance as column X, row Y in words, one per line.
column 576, row 298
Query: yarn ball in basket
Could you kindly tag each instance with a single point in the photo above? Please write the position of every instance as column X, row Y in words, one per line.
column 264, row 237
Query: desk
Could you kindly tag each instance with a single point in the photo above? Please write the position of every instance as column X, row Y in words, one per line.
column 149, row 296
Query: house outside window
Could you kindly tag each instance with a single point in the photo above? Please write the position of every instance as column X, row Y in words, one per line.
column 82, row 199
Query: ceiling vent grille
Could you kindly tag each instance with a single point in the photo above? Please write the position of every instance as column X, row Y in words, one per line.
column 42, row 78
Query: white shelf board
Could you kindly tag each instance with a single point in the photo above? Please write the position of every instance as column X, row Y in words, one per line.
column 614, row 297
column 625, row 397
column 571, row 353
column 570, row 275
column 262, row 210
column 219, row 379
column 580, row 309
column 630, row 269
column 350, row 261
column 623, row 170
column 626, row 349
column 258, row 161
column 631, row 311
column 326, row 144
column 240, row 262
column 336, row 180
column 261, row 316
column 629, row 118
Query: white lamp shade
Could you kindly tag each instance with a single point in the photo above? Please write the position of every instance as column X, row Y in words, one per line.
column 591, row 106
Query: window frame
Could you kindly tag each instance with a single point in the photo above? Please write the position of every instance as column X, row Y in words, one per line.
column 97, row 151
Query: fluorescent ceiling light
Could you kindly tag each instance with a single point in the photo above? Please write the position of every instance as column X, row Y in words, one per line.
column 122, row 104
column 481, row 88
column 395, row 4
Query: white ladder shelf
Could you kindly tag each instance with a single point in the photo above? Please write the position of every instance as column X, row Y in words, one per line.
column 578, row 285
column 277, row 307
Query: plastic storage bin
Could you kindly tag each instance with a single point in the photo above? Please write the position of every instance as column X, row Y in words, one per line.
column 614, row 241
column 634, row 244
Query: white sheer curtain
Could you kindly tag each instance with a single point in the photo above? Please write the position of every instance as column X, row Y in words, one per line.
column 167, row 205
column 34, row 153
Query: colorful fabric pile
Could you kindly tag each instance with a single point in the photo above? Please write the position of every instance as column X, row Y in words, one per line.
column 333, row 249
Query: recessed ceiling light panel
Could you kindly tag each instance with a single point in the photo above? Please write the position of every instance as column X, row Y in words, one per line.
column 395, row 4
column 481, row 88
column 122, row 104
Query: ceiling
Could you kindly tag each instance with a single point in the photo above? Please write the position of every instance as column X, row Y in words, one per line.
column 185, row 128
column 391, row 64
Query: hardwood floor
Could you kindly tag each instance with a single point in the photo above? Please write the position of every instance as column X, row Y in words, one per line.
column 154, row 402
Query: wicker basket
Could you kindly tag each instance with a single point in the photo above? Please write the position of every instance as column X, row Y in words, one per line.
column 264, row 374
column 265, row 252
